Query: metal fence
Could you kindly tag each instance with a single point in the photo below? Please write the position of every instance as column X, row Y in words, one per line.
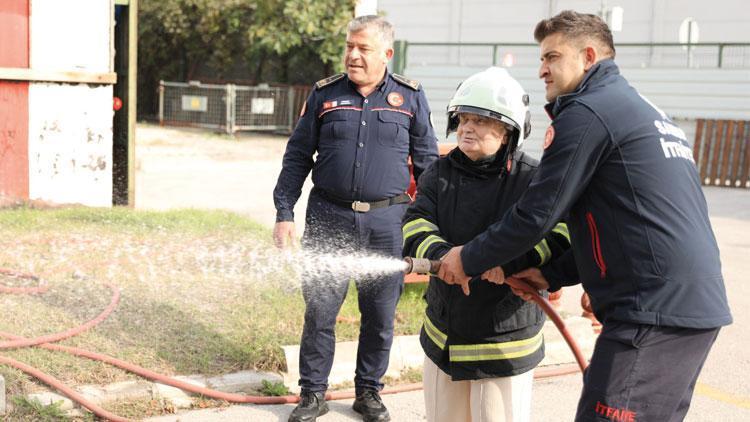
column 230, row 107
column 699, row 55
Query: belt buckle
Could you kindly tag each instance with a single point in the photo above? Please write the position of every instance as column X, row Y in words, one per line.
column 360, row 206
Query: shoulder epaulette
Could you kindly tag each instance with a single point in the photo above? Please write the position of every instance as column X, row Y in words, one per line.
column 406, row 81
column 329, row 80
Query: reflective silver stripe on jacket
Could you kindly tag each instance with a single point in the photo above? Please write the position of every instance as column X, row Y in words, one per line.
column 486, row 351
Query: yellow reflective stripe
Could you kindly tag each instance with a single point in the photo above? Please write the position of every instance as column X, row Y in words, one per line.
column 434, row 334
column 429, row 241
column 417, row 226
column 562, row 229
column 496, row 351
column 542, row 248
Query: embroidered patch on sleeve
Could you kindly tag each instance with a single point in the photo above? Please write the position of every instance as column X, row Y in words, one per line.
column 549, row 136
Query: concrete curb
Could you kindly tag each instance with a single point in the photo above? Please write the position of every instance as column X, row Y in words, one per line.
column 138, row 390
column 3, row 404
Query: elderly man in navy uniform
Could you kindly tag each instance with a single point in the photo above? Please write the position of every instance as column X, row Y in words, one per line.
column 363, row 124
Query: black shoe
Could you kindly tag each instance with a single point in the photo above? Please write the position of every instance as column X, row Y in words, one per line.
column 371, row 407
column 311, row 405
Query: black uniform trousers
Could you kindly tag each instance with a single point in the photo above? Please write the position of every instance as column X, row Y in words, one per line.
column 643, row 372
column 332, row 228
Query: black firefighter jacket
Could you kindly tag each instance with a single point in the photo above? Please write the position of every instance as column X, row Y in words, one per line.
column 623, row 176
column 492, row 332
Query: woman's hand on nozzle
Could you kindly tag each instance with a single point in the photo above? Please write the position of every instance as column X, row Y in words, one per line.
column 494, row 275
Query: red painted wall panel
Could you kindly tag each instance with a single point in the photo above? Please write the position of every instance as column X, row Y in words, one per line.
column 14, row 33
column 14, row 102
column 14, row 140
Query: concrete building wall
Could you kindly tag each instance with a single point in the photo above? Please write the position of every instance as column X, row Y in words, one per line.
column 514, row 20
column 684, row 94
column 661, row 74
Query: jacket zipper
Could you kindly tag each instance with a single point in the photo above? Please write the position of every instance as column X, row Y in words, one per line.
column 596, row 245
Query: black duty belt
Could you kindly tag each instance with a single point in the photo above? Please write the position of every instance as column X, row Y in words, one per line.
column 361, row 206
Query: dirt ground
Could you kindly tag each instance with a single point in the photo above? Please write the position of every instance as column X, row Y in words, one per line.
column 192, row 168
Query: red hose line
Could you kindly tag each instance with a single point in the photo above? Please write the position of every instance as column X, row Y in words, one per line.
column 242, row 398
column 69, row 333
column 21, row 290
column 556, row 371
column 553, row 315
column 215, row 394
column 60, row 386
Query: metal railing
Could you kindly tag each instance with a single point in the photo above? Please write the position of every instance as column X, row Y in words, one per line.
column 695, row 55
column 230, row 107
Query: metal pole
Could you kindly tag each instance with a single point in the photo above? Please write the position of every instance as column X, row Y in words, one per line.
column 404, row 55
column 161, row 103
column 229, row 107
column 721, row 54
column 132, row 95
column 290, row 106
column 399, row 57
column 494, row 55
column 690, row 49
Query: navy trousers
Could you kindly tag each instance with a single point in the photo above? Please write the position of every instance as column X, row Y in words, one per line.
column 332, row 228
column 643, row 372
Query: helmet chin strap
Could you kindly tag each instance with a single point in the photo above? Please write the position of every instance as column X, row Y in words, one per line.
column 510, row 149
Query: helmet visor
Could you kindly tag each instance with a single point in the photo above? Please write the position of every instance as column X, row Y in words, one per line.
column 452, row 110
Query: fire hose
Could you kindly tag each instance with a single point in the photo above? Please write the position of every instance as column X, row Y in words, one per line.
column 413, row 265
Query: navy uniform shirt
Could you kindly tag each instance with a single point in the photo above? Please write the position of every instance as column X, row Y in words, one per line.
column 362, row 143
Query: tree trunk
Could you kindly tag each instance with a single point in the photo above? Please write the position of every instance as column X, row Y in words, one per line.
column 261, row 62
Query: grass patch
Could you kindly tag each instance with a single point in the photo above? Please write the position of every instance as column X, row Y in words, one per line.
column 198, row 295
column 141, row 408
column 32, row 410
column 276, row 388
column 407, row 376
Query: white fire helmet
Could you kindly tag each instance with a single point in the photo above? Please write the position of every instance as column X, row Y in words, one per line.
column 493, row 93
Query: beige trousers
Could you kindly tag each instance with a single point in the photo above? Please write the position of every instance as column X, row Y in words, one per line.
column 503, row 399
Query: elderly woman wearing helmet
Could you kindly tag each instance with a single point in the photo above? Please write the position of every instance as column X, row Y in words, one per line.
column 482, row 346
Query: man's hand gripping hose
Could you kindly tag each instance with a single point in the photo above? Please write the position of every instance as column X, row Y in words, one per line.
column 424, row 266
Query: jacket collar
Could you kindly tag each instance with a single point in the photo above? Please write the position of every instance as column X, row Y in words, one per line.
column 381, row 86
column 482, row 169
column 594, row 77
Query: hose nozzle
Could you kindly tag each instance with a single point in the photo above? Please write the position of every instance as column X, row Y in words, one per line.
column 421, row 265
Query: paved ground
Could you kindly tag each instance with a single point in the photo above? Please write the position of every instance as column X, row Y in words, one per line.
column 195, row 169
column 189, row 168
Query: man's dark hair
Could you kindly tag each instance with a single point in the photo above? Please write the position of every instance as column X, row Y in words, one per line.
column 577, row 26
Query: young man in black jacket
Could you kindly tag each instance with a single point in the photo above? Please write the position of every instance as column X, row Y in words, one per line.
column 643, row 246
column 480, row 349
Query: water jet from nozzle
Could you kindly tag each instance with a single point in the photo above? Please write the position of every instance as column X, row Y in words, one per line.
column 421, row 265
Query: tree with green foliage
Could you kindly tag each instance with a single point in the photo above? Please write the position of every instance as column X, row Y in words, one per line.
column 282, row 41
column 284, row 27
